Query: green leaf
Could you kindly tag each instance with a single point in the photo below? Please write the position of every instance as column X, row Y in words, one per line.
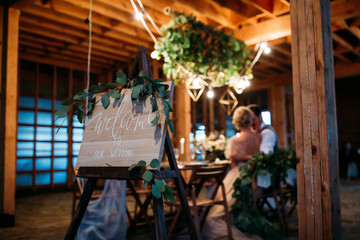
column 80, row 116
column 147, row 176
column 67, row 101
column 145, row 185
column 168, row 103
column 132, row 166
column 155, row 121
column 121, row 78
column 78, row 106
column 168, row 194
column 141, row 163
column 160, row 184
column 154, row 104
column 105, row 100
column 81, row 95
column 115, row 93
column 62, row 111
column 154, row 163
column 169, row 189
column 155, row 191
column 111, row 85
column 136, row 91
column 94, row 88
column 141, row 73
column 171, row 126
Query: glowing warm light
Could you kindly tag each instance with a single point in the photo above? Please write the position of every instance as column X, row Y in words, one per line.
column 267, row 50
column 154, row 54
column 263, row 45
column 138, row 16
column 210, row 93
column 196, row 82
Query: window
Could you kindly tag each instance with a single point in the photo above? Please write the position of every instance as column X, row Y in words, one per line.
column 45, row 152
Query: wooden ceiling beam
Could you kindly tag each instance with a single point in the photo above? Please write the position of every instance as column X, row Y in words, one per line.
column 275, row 64
column 345, row 44
column 112, row 12
column 57, row 62
column 81, row 34
column 119, row 5
column 266, row 6
column 49, row 34
column 45, row 54
column 29, row 37
column 280, row 27
column 20, row 4
column 111, row 28
column 66, row 52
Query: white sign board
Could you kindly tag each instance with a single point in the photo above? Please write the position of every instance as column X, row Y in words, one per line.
column 122, row 134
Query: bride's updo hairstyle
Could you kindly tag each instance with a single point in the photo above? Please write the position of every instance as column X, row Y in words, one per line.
column 242, row 117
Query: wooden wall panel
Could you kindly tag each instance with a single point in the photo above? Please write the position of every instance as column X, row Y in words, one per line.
column 315, row 120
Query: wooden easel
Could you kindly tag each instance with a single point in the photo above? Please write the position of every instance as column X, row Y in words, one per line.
column 122, row 173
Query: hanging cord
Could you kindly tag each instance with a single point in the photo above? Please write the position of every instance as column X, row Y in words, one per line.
column 149, row 17
column 140, row 14
column 89, row 55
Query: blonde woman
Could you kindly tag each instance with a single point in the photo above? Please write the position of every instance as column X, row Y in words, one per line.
column 239, row 150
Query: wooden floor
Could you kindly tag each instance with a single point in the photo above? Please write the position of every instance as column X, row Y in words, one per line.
column 47, row 216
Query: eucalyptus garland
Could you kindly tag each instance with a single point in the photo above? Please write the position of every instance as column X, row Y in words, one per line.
column 247, row 218
column 142, row 87
column 158, row 186
column 190, row 48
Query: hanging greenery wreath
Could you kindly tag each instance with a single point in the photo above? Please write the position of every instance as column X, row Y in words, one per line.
column 191, row 49
column 247, row 218
column 142, row 88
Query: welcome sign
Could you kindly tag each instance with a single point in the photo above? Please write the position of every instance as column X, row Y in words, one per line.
column 122, row 134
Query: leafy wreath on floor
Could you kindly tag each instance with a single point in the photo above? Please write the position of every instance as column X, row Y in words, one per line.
column 142, row 88
column 248, row 219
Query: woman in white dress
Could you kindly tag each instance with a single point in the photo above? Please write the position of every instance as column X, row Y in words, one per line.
column 239, row 150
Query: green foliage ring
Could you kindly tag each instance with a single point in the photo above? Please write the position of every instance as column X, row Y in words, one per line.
column 189, row 45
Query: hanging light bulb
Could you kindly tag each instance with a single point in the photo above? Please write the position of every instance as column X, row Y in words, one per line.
column 267, row 50
column 196, row 83
column 154, row 54
column 263, row 45
column 138, row 15
column 210, row 93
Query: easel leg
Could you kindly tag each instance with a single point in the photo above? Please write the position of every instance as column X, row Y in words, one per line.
column 81, row 208
column 159, row 218
column 180, row 188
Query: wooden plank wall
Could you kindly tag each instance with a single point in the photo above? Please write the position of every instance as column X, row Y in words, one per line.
column 9, row 114
column 315, row 120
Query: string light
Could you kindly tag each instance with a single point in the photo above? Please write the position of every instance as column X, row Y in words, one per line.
column 267, row 50
column 210, row 93
column 139, row 16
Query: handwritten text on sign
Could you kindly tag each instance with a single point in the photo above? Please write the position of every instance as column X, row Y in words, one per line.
column 122, row 134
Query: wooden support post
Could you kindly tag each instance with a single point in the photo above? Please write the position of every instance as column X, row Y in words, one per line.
column 278, row 114
column 211, row 115
column 205, row 114
column 183, row 119
column 315, row 120
column 8, row 123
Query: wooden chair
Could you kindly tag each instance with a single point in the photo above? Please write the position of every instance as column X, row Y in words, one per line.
column 135, row 189
column 197, row 179
column 79, row 188
column 277, row 193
